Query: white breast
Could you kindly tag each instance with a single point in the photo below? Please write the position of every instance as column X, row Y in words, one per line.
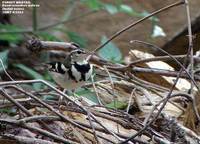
column 89, row 73
column 65, row 82
column 76, row 73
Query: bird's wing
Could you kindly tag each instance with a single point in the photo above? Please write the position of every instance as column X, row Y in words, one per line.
column 67, row 61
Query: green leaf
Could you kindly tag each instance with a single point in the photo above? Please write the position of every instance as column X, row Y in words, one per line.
column 49, row 97
column 10, row 37
column 93, row 4
column 153, row 18
column 75, row 37
column 117, row 104
column 31, row 73
column 4, row 58
column 47, row 36
column 110, row 52
column 9, row 111
column 87, row 94
column 126, row 9
column 111, row 8
column 129, row 10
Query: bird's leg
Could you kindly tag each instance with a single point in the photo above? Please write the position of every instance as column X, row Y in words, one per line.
column 69, row 92
column 73, row 92
column 61, row 98
column 76, row 96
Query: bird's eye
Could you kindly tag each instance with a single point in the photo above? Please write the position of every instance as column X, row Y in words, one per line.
column 79, row 52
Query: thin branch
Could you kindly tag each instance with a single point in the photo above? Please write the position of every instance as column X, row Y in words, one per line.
column 163, row 104
column 130, row 100
column 78, row 135
column 158, row 113
column 162, row 72
column 165, row 52
column 22, row 108
column 4, row 69
column 135, row 23
column 190, row 45
column 56, row 118
column 163, row 58
column 35, row 45
column 113, row 90
column 93, row 129
column 47, row 106
column 34, row 17
column 26, row 140
column 56, row 112
column 95, row 89
column 41, row 131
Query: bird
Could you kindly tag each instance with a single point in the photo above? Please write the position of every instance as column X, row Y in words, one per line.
column 73, row 72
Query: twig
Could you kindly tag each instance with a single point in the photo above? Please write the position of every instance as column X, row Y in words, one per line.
column 56, row 118
column 7, row 74
column 146, row 84
column 162, row 106
column 41, row 131
column 21, row 107
column 163, row 58
column 135, row 23
column 26, row 140
column 35, row 45
column 93, row 129
column 161, row 140
column 47, row 106
column 164, row 101
column 158, row 113
column 109, row 131
column 163, row 72
column 39, row 117
column 192, row 99
column 59, row 114
column 190, row 51
column 95, row 89
column 78, row 135
column 113, row 90
column 155, row 106
column 34, row 17
column 181, row 65
column 130, row 100
column 190, row 45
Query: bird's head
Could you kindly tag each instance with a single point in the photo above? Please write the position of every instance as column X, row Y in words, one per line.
column 78, row 55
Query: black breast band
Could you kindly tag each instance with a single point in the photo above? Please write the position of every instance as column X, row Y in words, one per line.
column 83, row 69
